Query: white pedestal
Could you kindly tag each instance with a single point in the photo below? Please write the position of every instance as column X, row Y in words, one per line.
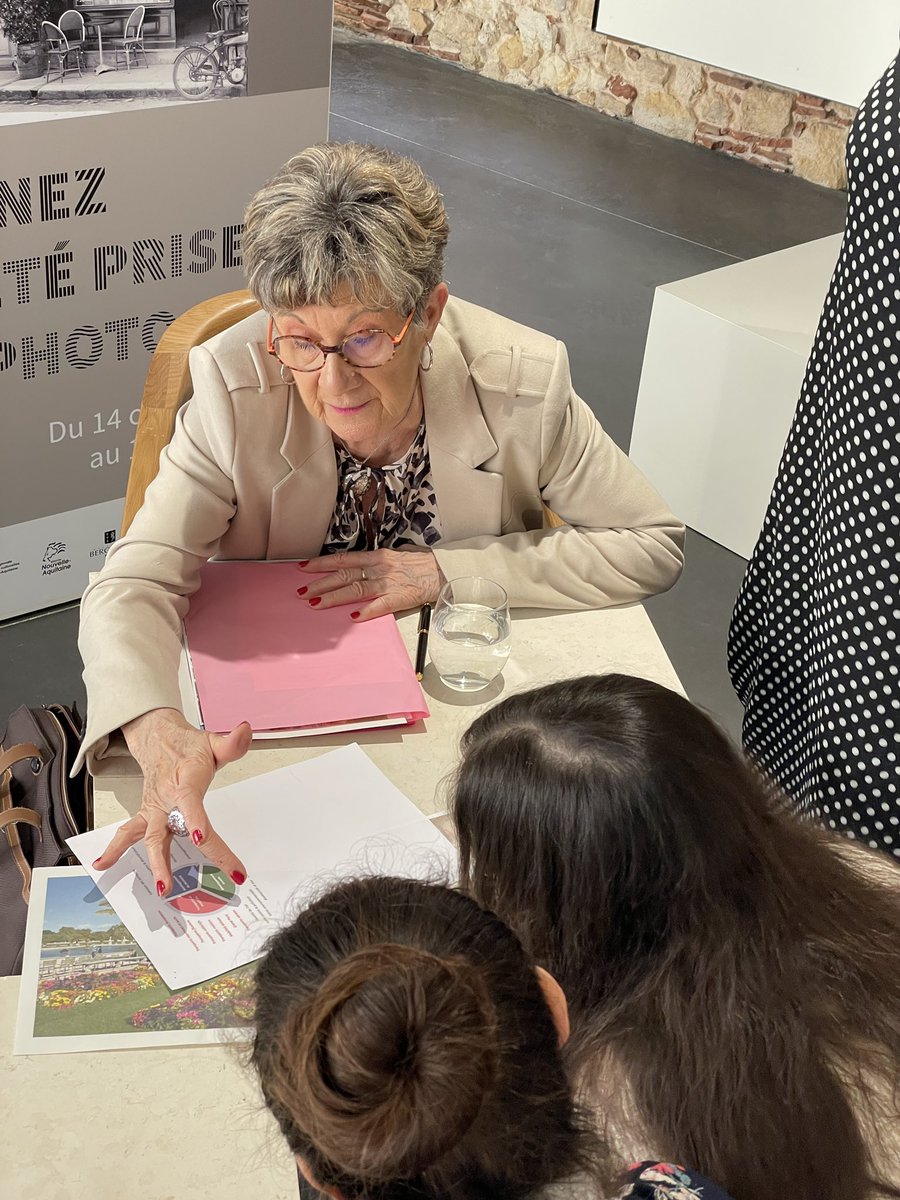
column 724, row 363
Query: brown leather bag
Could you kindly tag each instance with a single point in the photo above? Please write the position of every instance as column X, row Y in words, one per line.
column 40, row 806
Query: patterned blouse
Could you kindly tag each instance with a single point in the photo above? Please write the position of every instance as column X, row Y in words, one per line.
column 387, row 506
column 665, row 1181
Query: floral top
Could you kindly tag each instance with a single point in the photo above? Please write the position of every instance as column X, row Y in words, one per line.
column 388, row 506
column 665, row 1181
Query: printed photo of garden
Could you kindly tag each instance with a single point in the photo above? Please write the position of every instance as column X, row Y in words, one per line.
column 94, row 980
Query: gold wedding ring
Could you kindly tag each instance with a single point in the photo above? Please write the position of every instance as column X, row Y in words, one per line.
column 364, row 577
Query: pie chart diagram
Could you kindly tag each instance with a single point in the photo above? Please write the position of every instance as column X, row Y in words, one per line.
column 200, row 889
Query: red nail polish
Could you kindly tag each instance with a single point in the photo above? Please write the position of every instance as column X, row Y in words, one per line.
column 160, row 887
column 315, row 600
column 95, row 863
column 238, row 876
column 353, row 616
column 197, row 837
column 302, row 591
column 303, row 562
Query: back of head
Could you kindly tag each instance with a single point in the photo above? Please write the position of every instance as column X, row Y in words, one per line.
column 341, row 221
column 722, row 951
column 631, row 813
column 405, row 1048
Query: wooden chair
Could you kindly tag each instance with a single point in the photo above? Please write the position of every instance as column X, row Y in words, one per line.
column 168, row 386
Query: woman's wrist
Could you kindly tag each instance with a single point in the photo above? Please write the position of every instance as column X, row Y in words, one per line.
column 150, row 724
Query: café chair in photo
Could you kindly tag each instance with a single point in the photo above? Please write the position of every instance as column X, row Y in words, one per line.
column 72, row 25
column 131, row 44
column 58, row 49
column 168, row 385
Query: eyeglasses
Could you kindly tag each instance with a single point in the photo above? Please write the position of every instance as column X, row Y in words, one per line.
column 365, row 348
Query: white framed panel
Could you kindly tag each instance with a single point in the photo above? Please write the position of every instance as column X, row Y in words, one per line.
column 830, row 48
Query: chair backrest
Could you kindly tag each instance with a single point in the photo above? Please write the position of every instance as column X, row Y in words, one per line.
column 54, row 36
column 135, row 21
column 72, row 22
column 168, row 385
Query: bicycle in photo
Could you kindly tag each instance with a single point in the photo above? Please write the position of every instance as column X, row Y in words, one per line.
column 200, row 69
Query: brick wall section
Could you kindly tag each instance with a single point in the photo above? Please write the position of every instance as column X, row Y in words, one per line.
column 549, row 45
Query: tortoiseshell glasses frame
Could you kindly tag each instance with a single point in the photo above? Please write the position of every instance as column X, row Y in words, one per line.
column 378, row 343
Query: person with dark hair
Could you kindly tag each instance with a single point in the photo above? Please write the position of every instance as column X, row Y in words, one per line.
column 732, row 972
column 409, row 1050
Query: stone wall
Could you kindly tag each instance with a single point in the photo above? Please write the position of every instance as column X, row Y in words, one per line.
column 549, row 44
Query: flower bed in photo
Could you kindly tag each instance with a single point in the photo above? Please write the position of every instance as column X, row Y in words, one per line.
column 223, row 1003
column 135, row 999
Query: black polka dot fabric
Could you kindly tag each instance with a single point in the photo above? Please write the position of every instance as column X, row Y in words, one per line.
column 813, row 645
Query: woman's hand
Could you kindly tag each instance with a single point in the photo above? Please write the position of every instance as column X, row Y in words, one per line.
column 178, row 762
column 376, row 581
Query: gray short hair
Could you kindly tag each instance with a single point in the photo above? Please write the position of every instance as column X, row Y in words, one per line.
column 344, row 215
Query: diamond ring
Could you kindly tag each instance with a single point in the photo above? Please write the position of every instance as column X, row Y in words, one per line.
column 177, row 823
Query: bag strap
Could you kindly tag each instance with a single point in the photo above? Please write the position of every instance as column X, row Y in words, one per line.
column 17, row 816
column 16, row 753
column 10, row 817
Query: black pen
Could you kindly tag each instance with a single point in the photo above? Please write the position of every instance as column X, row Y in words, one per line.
column 422, row 642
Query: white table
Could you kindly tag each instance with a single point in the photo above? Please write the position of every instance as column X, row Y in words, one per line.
column 187, row 1123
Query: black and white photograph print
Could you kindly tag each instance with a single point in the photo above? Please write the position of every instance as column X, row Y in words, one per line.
column 83, row 56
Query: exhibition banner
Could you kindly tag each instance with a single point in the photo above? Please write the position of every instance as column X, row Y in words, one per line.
column 112, row 222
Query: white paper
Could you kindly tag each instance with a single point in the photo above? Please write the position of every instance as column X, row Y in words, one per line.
column 297, row 830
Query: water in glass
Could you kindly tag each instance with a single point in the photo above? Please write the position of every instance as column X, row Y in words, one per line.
column 470, row 640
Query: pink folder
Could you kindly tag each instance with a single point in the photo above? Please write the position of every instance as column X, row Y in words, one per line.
column 259, row 653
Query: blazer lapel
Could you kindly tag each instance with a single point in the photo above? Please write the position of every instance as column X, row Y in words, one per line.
column 303, row 502
column 469, row 501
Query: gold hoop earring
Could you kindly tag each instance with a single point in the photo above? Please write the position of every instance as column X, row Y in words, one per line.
column 430, row 358
column 289, row 378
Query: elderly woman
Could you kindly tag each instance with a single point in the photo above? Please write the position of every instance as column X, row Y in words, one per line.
column 374, row 429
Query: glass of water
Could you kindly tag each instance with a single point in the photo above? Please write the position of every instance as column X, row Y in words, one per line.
column 470, row 633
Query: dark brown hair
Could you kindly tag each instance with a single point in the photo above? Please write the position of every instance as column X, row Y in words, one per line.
column 405, row 1048
column 735, row 965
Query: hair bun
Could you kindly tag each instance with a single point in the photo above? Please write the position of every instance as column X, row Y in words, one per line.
column 391, row 1060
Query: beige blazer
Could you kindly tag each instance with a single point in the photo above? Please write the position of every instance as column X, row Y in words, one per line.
column 250, row 474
